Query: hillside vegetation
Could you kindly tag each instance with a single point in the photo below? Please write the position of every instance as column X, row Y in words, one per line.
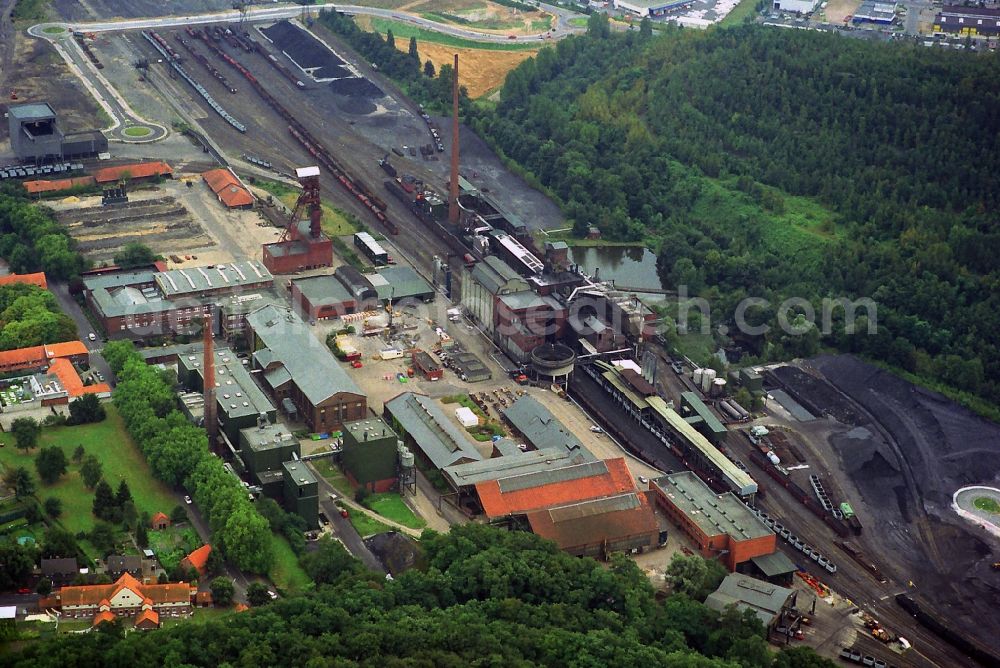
column 487, row 597
column 778, row 163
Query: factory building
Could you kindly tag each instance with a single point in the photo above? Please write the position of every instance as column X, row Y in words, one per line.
column 240, row 403
column 430, row 433
column 597, row 527
column 880, row 12
column 228, row 188
column 542, row 430
column 35, row 135
column 796, row 6
column 322, row 297
column 483, row 284
column 264, row 448
column 141, row 304
column 370, row 455
column 767, row 601
column 701, row 417
column 303, row 244
column 524, row 320
column 971, row 21
column 515, row 254
column 301, row 492
column 652, row 8
column 719, row 524
column 301, row 372
column 395, row 284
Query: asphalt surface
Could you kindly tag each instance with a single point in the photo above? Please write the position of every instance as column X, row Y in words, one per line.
column 240, row 581
column 71, row 308
column 122, row 115
column 275, row 13
column 342, row 526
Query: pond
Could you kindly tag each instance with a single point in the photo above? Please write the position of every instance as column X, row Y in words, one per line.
column 628, row 266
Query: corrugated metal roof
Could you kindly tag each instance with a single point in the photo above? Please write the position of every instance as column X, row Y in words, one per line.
column 323, row 290
column 699, row 407
column 774, row 564
column 716, row 514
column 312, row 366
column 542, row 429
column 436, row 436
column 402, row 283
column 594, row 507
column 764, row 598
column 522, row 481
column 462, row 475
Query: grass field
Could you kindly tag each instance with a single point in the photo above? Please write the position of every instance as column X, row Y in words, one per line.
column 367, row 526
column 53, row 30
column 119, row 457
column 286, row 573
column 739, row 14
column 334, row 477
column 390, row 505
column 404, row 31
column 200, row 616
column 137, row 131
column 987, row 503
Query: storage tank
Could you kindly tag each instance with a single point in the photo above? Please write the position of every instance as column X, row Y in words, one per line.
column 697, row 376
column 773, row 457
column 718, row 387
column 406, row 459
column 707, row 378
column 730, row 412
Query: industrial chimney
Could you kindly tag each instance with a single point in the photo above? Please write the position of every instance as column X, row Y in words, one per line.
column 453, row 195
column 208, row 363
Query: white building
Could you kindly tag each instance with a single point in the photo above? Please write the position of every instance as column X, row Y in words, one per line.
column 797, row 6
column 650, row 7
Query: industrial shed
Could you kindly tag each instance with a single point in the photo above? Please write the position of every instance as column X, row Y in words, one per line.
column 228, row 188
column 597, row 527
column 322, row 297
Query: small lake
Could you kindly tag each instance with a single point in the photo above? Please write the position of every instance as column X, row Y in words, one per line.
column 628, row 266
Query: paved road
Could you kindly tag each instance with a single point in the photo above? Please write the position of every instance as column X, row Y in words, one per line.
column 122, row 115
column 342, row 526
column 275, row 13
column 71, row 308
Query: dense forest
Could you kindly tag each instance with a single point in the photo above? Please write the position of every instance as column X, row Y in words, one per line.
column 30, row 316
column 778, row 163
column 32, row 240
column 485, row 597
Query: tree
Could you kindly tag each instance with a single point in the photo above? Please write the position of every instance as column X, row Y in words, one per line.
column 429, row 69
column 222, row 591
column 142, row 536
column 32, row 512
column 163, row 578
column 744, row 398
column 598, row 25
column 646, row 28
column 78, row 454
column 16, row 562
column 50, row 464
column 85, row 410
column 413, row 50
column 58, row 543
column 123, row 495
column 26, row 431
column 258, row 594
column 329, row 562
column 105, row 507
column 19, row 479
column 44, row 587
column 390, row 39
column 91, row 471
column 686, row 575
column 53, row 507
column 103, row 537
column 215, row 563
column 135, row 255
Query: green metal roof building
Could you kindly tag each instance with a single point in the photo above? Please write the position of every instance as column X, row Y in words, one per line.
column 301, row 492
column 709, row 425
column 266, row 448
column 370, row 455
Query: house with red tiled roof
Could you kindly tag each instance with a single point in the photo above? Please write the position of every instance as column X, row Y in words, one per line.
column 198, row 559
column 147, row 619
column 126, row 597
column 159, row 521
column 228, row 188
column 37, row 279
column 39, row 357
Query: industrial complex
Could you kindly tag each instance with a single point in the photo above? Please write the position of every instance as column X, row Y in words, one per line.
column 430, row 350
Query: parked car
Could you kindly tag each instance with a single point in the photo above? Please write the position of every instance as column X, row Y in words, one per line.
column 344, row 513
column 597, row 430
column 187, row 500
column 356, row 364
column 92, row 336
column 643, row 480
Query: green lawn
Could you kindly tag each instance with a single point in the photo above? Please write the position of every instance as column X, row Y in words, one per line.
column 333, row 475
column 335, row 223
column 391, row 505
column 119, row 457
column 402, row 30
column 987, row 503
column 173, row 544
column 367, row 526
column 579, row 22
column 53, row 30
column 137, row 131
column 739, row 14
column 200, row 616
column 286, row 573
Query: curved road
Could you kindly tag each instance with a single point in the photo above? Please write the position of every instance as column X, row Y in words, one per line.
column 122, row 115
column 268, row 13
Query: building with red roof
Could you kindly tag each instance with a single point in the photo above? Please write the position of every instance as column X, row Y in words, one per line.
column 57, row 185
column 147, row 619
column 522, row 493
column 135, row 171
column 228, row 188
column 159, row 521
column 598, row 527
column 39, row 357
column 36, row 279
column 126, row 597
column 198, row 559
